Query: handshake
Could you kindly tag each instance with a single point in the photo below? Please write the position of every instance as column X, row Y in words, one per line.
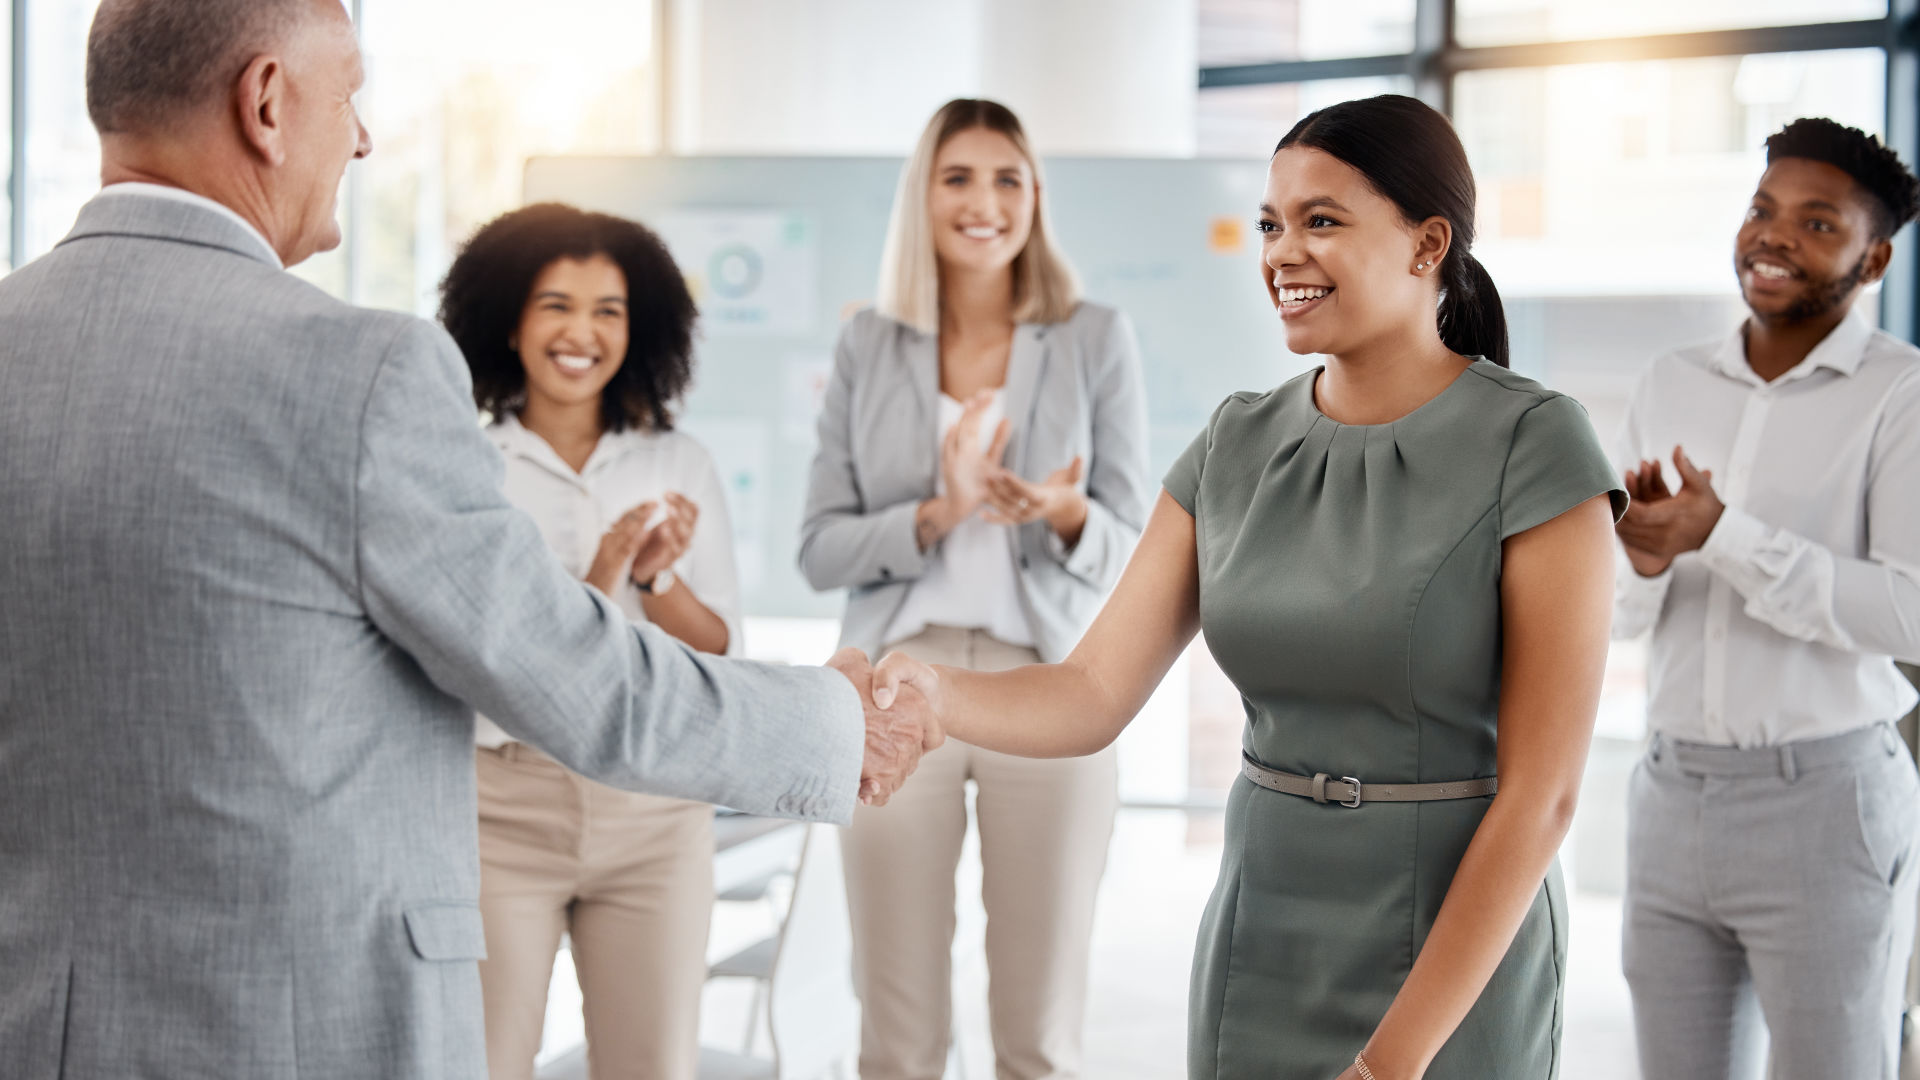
column 901, row 700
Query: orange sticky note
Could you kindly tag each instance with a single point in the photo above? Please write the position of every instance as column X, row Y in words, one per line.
column 1226, row 236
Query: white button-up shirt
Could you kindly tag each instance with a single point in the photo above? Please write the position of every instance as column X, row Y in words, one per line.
column 1786, row 622
column 574, row 510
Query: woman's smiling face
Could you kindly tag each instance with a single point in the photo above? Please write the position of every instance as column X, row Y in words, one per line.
column 573, row 331
column 1338, row 258
column 982, row 202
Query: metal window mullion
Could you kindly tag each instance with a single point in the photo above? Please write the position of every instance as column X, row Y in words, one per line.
column 1450, row 58
column 1433, row 39
column 1900, row 295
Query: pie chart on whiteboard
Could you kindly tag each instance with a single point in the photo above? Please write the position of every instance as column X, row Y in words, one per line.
column 753, row 272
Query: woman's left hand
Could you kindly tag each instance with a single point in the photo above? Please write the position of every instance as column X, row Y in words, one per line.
column 1057, row 500
column 666, row 542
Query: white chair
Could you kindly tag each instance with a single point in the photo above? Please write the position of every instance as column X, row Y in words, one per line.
column 813, row 1017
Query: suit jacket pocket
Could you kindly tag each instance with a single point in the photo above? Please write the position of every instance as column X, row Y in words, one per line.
column 446, row 931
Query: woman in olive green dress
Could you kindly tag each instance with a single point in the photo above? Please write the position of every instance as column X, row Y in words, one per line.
column 1403, row 562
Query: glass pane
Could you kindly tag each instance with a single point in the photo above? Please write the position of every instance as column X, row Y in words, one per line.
column 1246, row 121
column 63, row 154
column 1505, row 22
column 1255, row 31
column 456, row 107
column 6, row 133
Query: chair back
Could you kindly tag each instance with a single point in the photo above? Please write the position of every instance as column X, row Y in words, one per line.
column 811, row 1008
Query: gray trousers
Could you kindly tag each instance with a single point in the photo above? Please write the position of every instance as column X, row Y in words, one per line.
column 1772, row 892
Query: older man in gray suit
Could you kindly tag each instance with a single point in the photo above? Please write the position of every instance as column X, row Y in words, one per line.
column 255, row 574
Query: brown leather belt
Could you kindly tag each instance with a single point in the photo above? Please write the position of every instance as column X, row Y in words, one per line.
column 1349, row 792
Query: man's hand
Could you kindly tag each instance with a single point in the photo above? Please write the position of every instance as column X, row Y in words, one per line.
column 896, row 736
column 1661, row 524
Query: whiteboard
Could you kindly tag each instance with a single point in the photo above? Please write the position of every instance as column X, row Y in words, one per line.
column 779, row 249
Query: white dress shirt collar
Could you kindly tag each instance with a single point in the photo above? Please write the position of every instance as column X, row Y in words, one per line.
column 1841, row 350
column 514, row 437
column 162, row 191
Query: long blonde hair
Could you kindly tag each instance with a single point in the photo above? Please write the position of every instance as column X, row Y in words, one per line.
column 1045, row 288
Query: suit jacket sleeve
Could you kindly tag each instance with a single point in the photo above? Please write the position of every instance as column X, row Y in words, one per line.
column 843, row 541
column 457, row 577
column 1119, row 481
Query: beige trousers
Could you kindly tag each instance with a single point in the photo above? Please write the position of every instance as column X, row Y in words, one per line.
column 1044, row 828
column 629, row 878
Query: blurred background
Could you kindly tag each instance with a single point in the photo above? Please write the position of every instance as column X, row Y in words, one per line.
column 1615, row 146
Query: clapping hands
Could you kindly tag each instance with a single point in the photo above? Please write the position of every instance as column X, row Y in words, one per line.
column 639, row 550
column 901, row 700
column 1661, row 523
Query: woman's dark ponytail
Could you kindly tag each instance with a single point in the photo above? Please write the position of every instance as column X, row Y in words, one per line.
column 1411, row 155
column 1472, row 320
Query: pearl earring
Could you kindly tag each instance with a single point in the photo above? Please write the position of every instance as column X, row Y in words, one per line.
column 1422, row 266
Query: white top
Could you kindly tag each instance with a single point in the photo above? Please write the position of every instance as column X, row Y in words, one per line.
column 970, row 581
column 574, row 510
column 161, row 191
column 1784, row 624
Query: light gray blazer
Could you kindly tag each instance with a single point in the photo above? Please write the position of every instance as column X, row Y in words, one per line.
column 256, row 573
column 1073, row 388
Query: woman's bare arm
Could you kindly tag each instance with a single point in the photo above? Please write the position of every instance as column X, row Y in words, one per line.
column 1556, row 595
column 1080, row 705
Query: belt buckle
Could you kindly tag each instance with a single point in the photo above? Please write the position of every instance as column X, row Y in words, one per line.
column 1354, row 803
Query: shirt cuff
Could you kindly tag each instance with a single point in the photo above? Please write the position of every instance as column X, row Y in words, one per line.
column 1081, row 560
column 1733, row 548
column 900, row 556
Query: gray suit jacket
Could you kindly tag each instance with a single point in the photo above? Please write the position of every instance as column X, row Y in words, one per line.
column 1073, row 388
column 256, row 573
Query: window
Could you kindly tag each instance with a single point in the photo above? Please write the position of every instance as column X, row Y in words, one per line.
column 6, row 135
column 1507, row 22
column 1258, row 31
column 456, row 107
column 1246, row 121
column 1572, row 161
column 63, row 153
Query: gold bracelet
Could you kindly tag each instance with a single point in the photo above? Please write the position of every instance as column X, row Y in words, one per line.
column 1360, row 1066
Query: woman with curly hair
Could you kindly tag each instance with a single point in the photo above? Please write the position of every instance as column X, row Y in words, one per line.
column 578, row 330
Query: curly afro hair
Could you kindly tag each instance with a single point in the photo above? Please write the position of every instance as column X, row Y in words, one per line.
column 1896, row 194
column 487, row 287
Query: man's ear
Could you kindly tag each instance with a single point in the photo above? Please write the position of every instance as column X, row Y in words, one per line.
column 260, row 99
column 1879, row 257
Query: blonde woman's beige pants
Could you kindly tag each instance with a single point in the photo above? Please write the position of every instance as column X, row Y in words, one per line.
column 1044, row 828
column 629, row 878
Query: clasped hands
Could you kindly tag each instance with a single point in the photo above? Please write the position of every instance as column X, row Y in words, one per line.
column 1660, row 523
column 978, row 481
column 901, row 700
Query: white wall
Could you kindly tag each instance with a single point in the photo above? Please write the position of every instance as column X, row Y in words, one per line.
column 862, row 76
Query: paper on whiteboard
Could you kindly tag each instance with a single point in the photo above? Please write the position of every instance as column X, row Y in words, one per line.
column 753, row 272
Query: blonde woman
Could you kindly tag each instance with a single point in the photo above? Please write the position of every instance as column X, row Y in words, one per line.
column 981, row 480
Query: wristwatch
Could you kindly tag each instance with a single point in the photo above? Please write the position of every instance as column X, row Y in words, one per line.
column 661, row 582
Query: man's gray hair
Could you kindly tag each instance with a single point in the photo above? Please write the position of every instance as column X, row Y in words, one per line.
column 151, row 62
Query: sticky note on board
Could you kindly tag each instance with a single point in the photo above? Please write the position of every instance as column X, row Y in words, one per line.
column 1227, row 236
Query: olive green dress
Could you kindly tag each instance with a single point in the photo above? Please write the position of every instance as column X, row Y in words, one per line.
column 1350, row 588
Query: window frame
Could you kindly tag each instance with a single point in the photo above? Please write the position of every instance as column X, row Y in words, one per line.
column 1437, row 57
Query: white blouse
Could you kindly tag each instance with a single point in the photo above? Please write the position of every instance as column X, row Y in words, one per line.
column 971, row 583
column 574, row 510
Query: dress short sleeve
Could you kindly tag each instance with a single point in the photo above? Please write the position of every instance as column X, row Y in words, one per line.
column 1183, row 479
column 1554, row 465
